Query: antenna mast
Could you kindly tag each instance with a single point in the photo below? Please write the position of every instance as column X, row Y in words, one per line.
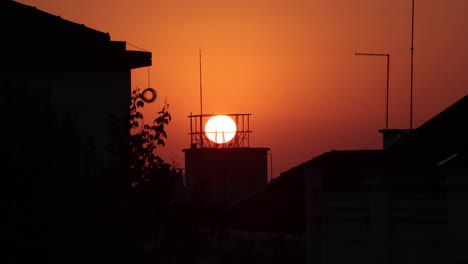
column 412, row 51
column 201, row 103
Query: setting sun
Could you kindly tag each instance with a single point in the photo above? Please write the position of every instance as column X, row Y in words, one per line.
column 220, row 129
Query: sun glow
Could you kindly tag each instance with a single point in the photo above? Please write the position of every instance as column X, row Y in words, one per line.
column 220, row 129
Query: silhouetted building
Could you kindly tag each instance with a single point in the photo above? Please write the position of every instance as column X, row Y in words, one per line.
column 409, row 208
column 403, row 204
column 226, row 175
column 278, row 211
column 79, row 70
column 220, row 174
column 60, row 84
column 391, row 136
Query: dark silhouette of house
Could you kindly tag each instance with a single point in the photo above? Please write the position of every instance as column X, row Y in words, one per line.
column 62, row 84
column 411, row 209
column 278, row 212
column 403, row 204
column 221, row 176
column 279, row 207
column 79, row 70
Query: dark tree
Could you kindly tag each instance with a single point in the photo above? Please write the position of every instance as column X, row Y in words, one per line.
column 61, row 204
column 150, row 179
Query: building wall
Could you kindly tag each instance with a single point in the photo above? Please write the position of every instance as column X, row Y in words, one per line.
column 89, row 95
column 381, row 225
column 70, row 196
column 338, row 228
column 223, row 176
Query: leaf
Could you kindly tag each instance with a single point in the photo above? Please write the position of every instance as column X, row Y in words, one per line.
column 161, row 142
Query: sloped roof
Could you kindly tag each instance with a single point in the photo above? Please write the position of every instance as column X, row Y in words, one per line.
column 33, row 37
column 442, row 136
column 280, row 206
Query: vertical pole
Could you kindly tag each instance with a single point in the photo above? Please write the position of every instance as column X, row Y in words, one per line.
column 388, row 76
column 191, row 130
column 201, row 104
column 388, row 81
column 412, row 52
column 248, row 131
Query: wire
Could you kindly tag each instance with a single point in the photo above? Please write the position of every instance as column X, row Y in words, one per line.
column 136, row 47
column 149, row 76
column 148, row 66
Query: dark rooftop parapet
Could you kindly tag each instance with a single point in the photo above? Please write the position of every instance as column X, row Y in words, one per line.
column 31, row 37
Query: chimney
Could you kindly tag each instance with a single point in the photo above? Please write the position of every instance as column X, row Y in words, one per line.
column 391, row 136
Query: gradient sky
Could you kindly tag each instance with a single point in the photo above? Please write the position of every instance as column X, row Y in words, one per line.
column 290, row 64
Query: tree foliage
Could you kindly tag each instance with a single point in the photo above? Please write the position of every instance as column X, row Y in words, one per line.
column 150, row 177
column 62, row 200
column 136, row 141
column 144, row 139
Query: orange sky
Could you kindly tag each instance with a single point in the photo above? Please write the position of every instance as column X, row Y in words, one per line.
column 290, row 64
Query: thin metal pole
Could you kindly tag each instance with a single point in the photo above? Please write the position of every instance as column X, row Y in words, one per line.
column 191, row 130
column 388, row 81
column 412, row 53
column 201, row 103
column 248, row 131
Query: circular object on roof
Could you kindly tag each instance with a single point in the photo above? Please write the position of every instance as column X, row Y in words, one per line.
column 149, row 98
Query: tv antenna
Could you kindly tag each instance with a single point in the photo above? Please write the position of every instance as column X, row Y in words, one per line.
column 412, row 51
column 388, row 73
column 201, row 99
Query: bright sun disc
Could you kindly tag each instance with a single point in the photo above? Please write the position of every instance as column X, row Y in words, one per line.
column 220, row 129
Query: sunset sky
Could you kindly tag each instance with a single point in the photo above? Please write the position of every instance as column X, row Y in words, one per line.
column 291, row 64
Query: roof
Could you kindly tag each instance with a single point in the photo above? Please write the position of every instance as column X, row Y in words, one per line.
column 32, row 37
column 280, row 206
column 439, row 138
